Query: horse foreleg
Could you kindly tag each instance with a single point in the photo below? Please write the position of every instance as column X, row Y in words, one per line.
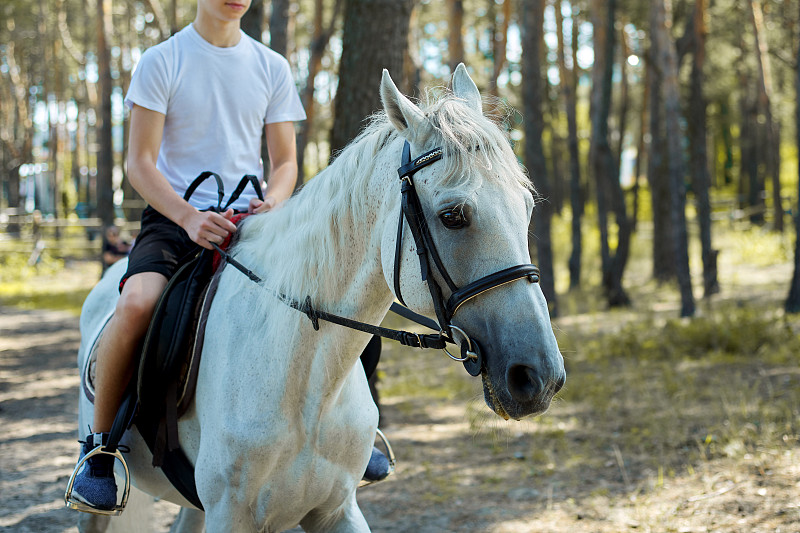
column 189, row 521
column 348, row 519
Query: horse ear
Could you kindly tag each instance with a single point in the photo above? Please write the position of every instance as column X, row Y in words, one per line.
column 402, row 113
column 465, row 88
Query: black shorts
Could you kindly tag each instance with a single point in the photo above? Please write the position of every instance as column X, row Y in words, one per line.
column 161, row 246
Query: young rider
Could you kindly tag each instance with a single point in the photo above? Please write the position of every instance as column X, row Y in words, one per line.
column 198, row 102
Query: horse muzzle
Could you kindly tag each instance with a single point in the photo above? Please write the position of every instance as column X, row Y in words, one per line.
column 516, row 384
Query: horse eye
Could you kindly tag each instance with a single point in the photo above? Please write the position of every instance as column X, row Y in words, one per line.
column 453, row 219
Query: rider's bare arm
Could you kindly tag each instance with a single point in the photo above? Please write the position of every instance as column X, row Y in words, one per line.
column 283, row 166
column 146, row 130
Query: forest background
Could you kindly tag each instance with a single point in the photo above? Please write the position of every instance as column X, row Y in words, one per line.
column 626, row 113
column 662, row 137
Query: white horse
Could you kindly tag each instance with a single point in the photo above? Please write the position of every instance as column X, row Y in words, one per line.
column 282, row 423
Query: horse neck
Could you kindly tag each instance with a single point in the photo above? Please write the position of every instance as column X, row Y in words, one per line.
column 324, row 243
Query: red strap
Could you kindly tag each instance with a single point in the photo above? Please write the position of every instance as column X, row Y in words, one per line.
column 236, row 219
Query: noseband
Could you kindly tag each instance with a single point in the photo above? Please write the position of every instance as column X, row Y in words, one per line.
column 411, row 211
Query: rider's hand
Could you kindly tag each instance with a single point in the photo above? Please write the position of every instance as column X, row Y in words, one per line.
column 257, row 206
column 205, row 227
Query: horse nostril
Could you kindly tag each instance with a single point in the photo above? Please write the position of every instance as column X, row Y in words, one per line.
column 559, row 383
column 523, row 383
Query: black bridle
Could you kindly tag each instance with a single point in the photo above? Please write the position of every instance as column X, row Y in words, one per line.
column 411, row 212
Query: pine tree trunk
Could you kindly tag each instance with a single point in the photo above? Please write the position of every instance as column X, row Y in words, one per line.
column 253, row 26
column 279, row 26
column 657, row 176
column 375, row 37
column 500, row 32
column 670, row 93
column 698, row 154
column 105, row 156
column 455, row 41
column 533, row 95
column 253, row 20
column 173, row 17
column 569, row 87
column 319, row 43
column 623, row 99
column 609, row 192
column 771, row 152
column 640, row 149
column 792, row 304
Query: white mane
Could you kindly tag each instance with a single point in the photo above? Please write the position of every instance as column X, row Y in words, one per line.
column 293, row 248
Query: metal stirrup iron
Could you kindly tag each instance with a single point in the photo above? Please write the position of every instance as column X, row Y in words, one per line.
column 74, row 503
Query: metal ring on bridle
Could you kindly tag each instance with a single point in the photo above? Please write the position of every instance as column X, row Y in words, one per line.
column 470, row 353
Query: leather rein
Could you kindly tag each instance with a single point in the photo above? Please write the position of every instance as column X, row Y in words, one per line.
column 411, row 212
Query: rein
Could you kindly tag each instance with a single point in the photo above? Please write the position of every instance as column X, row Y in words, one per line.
column 406, row 338
column 411, row 212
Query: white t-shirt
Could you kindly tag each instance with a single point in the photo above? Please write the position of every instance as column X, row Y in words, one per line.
column 216, row 101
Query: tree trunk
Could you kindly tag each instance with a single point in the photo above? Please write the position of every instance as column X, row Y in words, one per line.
column 750, row 182
column 279, row 26
column 253, row 26
column 173, row 17
column 533, row 95
column 640, row 148
column 319, row 43
column 657, row 177
column 375, row 37
column 568, row 87
column 455, row 41
column 412, row 61
column 133, row 204
column 499, row 43
column 698, row 154
column 253, row 20
column 609, row 192
column 670, row 93
column 792, row 304
column 771, row 154
column 623, row 97
column 105, row 156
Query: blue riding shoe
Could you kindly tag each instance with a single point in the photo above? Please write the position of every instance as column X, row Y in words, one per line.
column 378, row 468
column 380, row 465
column 94, row 483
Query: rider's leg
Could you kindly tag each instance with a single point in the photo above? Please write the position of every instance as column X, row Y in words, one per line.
column 120, row 341
column 94, row 484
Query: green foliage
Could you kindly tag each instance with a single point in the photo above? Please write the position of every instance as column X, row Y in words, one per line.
column 46, row 285
column 756, row 246
column 731, row 333
column 15, row 268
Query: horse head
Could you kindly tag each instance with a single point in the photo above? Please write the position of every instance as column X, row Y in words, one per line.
column 477, row 203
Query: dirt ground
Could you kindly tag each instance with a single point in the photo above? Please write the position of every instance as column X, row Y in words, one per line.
column 459, row 468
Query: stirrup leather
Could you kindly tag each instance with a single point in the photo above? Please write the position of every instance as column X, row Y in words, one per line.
column 389, row 455
column 73, row 503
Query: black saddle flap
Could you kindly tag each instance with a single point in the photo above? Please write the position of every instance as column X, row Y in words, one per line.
column 170, row 335
column 165, row 351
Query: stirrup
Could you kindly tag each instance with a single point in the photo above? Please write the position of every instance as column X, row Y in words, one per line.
column 389, row 455
column 74, row 503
